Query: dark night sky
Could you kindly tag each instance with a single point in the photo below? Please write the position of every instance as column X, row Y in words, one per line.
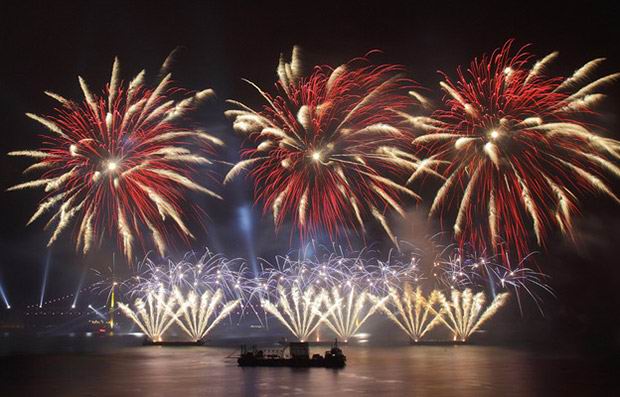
column 45, row 45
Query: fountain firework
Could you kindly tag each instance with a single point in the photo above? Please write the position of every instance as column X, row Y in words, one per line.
column 323, row 285
column 308, row 276
column 464, row 314
column 350, row 313
column 411, row 310
column 198, row 314
column 299, row 310
column 153, row 314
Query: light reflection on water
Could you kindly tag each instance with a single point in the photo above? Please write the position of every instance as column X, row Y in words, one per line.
column 206, row 371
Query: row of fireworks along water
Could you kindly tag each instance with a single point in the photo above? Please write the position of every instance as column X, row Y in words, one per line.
column 512, row 146
column 323, row 286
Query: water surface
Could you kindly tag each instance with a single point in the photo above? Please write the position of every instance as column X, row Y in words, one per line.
column 391, row 371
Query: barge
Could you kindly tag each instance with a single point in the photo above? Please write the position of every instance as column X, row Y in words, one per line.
column 148, row 342
column 296, row 354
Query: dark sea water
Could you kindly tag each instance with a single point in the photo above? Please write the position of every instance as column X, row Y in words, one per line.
column 61, row 369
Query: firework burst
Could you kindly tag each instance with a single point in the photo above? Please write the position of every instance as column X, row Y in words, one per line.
column 322, row 145
column 209, row 272
column 327, row 285
column 119, row 163
column 463, row 267
column 513, row 150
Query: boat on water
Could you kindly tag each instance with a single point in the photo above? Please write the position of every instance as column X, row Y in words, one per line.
column 296, row 354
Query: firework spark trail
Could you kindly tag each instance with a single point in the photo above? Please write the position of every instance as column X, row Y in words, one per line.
column 351, row 311
column 301, row 311
column 198, row 314
column 463, row 314
column 325, row 285
column 210, row 272
column 304, row 272
column 513, row 150
column 463, row 267
column 119, row 163
column 153, row 314
column 323, row 268
column 379, row 275
column 196, row 293
column 319, row 145
column 326, row 267
column 411, row 310
column 215, row 271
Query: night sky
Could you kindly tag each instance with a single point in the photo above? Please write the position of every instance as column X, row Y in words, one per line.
column 45, row 45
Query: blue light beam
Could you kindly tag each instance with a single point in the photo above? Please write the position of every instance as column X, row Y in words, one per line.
column 48, row 261
column 4, row 298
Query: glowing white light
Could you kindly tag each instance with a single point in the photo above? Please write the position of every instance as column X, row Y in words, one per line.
column 316, row 156
column 494, row 134
column 112, row 165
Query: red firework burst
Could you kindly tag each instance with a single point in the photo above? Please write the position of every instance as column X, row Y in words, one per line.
column 118, row 163
column 513, row 150
column 322, row 144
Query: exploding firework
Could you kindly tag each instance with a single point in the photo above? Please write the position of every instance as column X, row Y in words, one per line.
column 351, row 311
column 198, row 315
column 154, row 314
column 209, row 272
column 305, row 271
column 381, row 275
column 322, row 145
column 119, row 163
column 301, row 311
column 196, row 293
column 319, row 286
column 307, row 277
column 512, row 146
column 465, row 313
column 411, row 310
column 462, row 268
column 329, row 266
